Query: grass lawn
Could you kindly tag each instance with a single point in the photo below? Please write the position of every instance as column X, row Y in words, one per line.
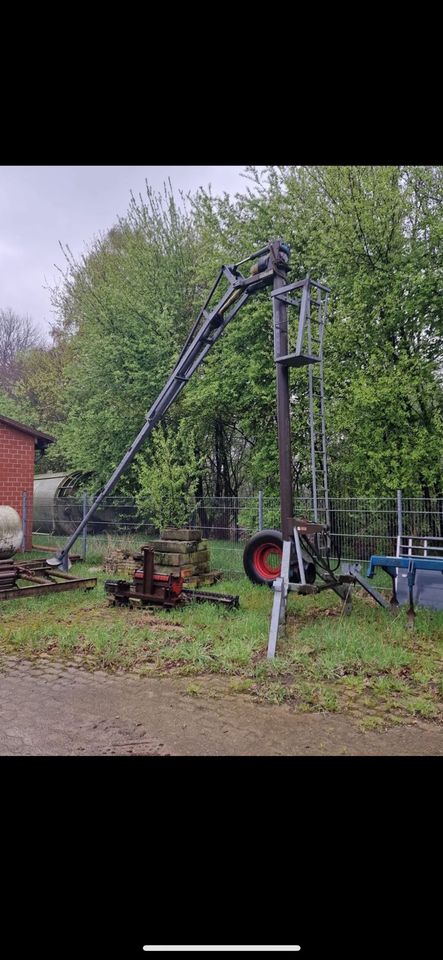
column 226, row 555
column 367, row 664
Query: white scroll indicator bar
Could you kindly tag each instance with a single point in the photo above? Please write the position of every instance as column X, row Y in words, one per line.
column 201, row 949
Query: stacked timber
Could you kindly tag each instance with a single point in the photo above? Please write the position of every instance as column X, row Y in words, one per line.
column 121, row 561
column 184, row 553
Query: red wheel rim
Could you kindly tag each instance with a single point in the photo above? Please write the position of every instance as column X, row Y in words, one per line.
column 267, row 560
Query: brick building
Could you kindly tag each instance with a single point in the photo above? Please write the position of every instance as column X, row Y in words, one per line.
column 19, row 446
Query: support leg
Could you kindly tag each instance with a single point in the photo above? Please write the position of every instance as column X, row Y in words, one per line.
column 280, row 588
column 298, row 550
column 410, row 616
column 347, row 600
column 411, row 581
column 354, row 571
column 393, row 601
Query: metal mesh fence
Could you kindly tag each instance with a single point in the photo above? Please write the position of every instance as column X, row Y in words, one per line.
column 360, row 526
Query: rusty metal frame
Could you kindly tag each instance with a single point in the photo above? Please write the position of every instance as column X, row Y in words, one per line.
column 42, row 579
column 152, row 593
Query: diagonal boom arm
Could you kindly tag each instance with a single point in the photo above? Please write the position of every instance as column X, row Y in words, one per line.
column 206, row 330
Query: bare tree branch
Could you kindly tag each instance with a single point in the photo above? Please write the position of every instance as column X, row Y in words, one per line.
column 17, row 335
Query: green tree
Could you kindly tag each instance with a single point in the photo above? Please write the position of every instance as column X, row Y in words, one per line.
column 373, row 234
column 124, row 308
column 10, row 407
column 167, row 486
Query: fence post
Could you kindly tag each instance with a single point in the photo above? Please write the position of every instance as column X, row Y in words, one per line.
column 260, row 509
column 24, row 519
column 399, row 514
column 85, row 528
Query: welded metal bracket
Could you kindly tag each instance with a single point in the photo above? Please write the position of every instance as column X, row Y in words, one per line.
column 298, row 550
column 353, row 570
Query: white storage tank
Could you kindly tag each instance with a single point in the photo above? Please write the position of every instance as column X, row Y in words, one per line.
column 11, row 532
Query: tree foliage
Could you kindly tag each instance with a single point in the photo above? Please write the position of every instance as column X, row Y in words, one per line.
column 167, row 487
column 373, row 234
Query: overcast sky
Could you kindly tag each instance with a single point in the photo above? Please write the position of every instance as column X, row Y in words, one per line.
column 40, row 206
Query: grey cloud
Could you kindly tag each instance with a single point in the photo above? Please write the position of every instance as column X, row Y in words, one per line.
column 40, row 206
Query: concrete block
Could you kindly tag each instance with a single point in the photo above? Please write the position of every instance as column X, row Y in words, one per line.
column 170, row 533
column 177, row 559
column 171, row 546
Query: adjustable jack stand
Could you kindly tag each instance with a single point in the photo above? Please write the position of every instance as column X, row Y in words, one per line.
column 281, row 588
column 347, row 599
column 410, row 616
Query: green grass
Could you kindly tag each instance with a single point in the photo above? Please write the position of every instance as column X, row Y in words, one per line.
column 226, row 555
column 367, row 664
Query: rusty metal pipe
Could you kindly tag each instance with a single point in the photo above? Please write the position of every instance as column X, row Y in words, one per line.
column 148, row 570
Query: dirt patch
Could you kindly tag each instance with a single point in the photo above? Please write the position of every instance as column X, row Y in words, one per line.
column 50, row 708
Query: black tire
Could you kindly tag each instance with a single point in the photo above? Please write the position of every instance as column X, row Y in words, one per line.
column 260, row 562
column 255, row 547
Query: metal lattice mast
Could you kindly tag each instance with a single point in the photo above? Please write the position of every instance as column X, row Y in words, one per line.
column 318, row 440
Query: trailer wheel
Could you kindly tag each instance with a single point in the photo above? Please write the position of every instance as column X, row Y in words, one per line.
column 262, row 559
column 262, row 556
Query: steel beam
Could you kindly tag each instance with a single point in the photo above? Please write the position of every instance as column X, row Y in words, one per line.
column 280, row 587
column 87, row 583
column 281, row 348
